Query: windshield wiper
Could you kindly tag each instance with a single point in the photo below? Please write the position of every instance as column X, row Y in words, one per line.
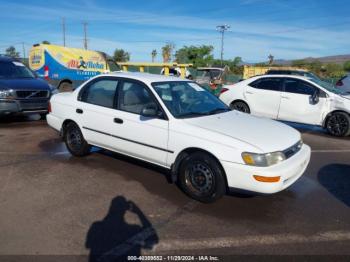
column 192, row 114
column 217, row 110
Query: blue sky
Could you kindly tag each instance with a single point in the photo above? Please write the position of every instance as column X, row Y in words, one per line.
column 286, row 29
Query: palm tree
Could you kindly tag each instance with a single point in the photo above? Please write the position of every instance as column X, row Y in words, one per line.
column 154, row 54
column 167, row 51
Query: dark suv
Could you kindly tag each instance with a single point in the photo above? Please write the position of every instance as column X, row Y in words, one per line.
column 21, row 92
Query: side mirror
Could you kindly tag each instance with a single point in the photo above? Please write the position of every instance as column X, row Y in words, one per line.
column 315, row 98
column 149, row 111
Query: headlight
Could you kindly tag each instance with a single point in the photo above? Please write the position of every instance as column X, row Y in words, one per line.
column 263, row 160
column 5, row 93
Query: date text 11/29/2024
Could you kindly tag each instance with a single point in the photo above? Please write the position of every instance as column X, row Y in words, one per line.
column 173, row 258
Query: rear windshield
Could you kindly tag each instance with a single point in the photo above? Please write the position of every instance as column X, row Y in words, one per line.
column 14, row 70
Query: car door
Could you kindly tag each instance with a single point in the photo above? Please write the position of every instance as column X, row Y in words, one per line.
column 297, row 104
column 264, row 96
column 142, row 137
column 96, row 107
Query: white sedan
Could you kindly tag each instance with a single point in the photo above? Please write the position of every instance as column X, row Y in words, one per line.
column 179, row 125
column 292, row 98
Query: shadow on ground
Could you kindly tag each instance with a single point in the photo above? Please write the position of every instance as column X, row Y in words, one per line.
column 114, row 239
column 336, row 179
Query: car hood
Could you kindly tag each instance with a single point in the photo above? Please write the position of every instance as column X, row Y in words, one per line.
column 264, row 134
column 24, row 84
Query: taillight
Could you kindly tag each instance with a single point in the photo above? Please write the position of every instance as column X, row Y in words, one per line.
column 46, row 72
column 339, row 83
column 223, row 90
column 49, row 107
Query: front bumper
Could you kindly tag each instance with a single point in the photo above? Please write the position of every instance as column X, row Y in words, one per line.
column 241, row 176
column 23, row 106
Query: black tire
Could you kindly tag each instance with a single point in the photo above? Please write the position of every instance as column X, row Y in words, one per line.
column 43, row 116
column 65, row 87
column 75, row 141
column 240, row 106
column 202, row 178
column 338, row 124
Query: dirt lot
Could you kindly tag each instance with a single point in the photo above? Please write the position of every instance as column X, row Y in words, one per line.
column 54, row 204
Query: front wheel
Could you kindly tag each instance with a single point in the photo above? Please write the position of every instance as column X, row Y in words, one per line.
column 202, row 178
column 240, row 106
column 338, row 124
column 75, row 141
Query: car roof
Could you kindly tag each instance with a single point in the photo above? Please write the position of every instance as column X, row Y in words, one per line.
column 145, row 77
column 210, row 68
column 279, row 75
column 288, row 70
column 6, row 59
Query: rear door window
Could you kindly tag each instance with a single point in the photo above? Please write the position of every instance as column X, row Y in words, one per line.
column 101, row 92
column 272, row 84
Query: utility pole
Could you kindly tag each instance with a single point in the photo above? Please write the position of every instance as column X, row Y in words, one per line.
column 222, row 29
column 24, row 52
column 85, row 38
column 64, row 30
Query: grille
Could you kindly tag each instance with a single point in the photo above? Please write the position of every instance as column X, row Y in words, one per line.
column 32, row 94
column 291, row 151
column 39, row 104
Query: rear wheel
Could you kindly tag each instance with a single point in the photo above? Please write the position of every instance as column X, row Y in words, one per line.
column 75, row 141
column 202, row 178
column 240, row 106
column 65, row 87
column 338, row 124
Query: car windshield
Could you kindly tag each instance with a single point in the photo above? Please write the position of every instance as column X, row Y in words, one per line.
column 328, row 86
column 212, row 73
column 14, row 70
column 188, row 99
column 312, row 76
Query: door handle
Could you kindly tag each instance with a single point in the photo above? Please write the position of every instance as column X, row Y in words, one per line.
column 285, row 97
column 79, row 111
column 118, row 121
column 250, row 93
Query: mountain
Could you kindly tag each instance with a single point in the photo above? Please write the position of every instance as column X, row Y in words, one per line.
column 337, row 59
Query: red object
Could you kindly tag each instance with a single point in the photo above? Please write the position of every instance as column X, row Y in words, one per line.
column 339, row 83
column 49, row 107
column 46, row 72
column 223, row 90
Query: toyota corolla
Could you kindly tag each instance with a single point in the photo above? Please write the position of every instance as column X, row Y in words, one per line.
column 177, row 124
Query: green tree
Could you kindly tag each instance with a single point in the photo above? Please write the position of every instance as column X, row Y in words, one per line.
column 237, row 61
column 334, row 70
column 120, row 55
column 197, row 55
column 347, row 66
column 11, row 52
column 154, row 55
column 45, row 42
column 167, row 51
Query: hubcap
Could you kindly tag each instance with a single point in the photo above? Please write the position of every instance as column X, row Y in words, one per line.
column 199, row 178
column 74, row 139
column 338, row 125
column 240, row 107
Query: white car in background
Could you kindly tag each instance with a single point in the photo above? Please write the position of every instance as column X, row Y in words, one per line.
column 292, row 98
column 178, row 125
